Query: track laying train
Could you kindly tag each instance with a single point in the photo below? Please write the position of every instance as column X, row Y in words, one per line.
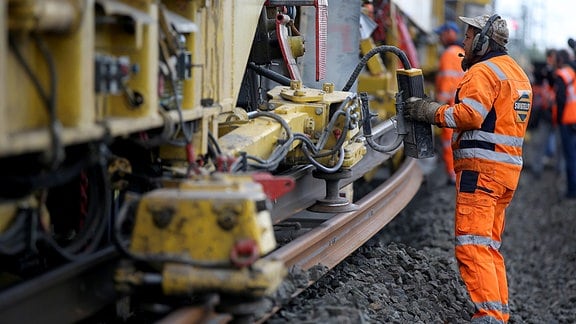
column 173, row 135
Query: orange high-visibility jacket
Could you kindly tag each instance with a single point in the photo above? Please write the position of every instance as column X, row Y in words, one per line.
column 449, row 74
column 490, row 117
column 569, row 112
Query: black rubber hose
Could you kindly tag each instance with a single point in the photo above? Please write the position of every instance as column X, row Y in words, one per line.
column 277, row 77
column 367, row 129
column 380, row 49
column 90, row 237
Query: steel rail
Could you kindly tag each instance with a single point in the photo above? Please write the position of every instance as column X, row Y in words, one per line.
column 340, row 235
column 336, row 238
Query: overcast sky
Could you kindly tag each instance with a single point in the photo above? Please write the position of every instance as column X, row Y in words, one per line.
column 549, row 22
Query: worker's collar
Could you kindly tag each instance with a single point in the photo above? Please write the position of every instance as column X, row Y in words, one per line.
column 488, row 56
column 492, row 54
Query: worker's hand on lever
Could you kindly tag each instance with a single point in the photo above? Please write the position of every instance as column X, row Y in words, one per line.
column 419, row 109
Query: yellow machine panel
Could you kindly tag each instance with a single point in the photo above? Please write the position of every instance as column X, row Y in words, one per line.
column 202, row 224
column 50, row 60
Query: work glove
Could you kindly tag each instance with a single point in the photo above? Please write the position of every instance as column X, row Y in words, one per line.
column 419, row 109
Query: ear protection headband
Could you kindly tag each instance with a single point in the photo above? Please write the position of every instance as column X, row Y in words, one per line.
column 481, row 40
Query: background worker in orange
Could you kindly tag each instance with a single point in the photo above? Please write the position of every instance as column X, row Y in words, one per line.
column 565, row 90
column 489, row 117
column 543, row 122
column 447, row 78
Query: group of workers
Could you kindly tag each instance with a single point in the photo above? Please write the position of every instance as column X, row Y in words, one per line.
column 483, row 104
column 555, row 116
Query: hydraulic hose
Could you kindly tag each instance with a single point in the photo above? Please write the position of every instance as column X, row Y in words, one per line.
column 367, row 127
column 277, row 77
column 322, row 167
column 380, row 49
column 332, row 123
column 280, row 152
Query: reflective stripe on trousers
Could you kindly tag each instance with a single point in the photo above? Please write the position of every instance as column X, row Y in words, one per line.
column 479, row 224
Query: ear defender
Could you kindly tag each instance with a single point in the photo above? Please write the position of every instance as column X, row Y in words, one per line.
column 481, row 40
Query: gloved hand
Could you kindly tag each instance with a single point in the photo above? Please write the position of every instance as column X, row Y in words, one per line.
column 419, row 109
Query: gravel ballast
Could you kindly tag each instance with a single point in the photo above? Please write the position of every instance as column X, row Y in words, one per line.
column 408, row 273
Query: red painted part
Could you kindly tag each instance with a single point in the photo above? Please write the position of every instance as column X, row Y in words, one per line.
column 282, row 35
column 244, row 253
column 223, row 163
column 383, row 22
column 274, row 186
column 337, row 133
column 321, row 41
column 190, row 155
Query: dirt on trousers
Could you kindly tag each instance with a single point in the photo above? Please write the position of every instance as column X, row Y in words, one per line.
column 408, row 273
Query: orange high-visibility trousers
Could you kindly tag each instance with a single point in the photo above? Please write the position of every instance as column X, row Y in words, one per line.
column 479, row 224
column 447, row 157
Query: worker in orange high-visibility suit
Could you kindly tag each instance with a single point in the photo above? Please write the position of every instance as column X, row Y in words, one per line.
column 489, row 117
column 565, row 90
column 447, row 79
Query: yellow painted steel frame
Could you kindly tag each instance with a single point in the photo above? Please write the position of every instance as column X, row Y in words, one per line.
column 22, row 109
column 260, row 136
column 221, row 48
column 141, row 46
column 219, row 51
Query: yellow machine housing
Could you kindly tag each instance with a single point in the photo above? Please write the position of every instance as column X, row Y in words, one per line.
column 198, row 228
column 306, row 111
column 200, row 221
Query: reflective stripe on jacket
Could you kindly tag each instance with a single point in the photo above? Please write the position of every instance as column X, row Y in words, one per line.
column 569, row 110
column 490, row 117
column 449, row 74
